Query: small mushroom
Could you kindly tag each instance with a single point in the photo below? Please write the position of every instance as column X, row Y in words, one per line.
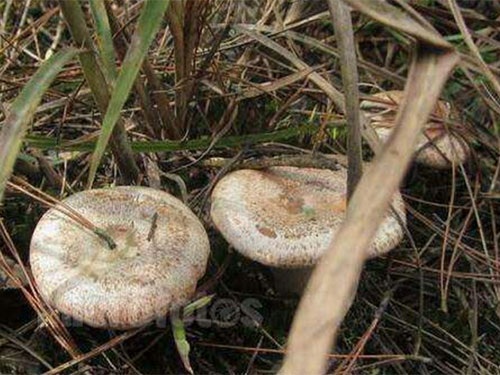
column 437, row 146
column 161, row 252
column 285, row 217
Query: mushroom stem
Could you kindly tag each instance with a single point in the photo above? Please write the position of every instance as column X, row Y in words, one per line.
column 106, row 237
column 288, row 281
column 293, row 281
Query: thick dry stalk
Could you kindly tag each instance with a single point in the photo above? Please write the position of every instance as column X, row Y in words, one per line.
column 184, row 22
column 121, row 42
column 120, row 145
column 344, row 36
column 160, row 98
column 162, row 102
column 175, row 18
column 327, row 296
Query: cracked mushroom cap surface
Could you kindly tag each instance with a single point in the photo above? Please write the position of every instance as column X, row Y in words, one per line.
column 286, row 216
column 146, row 275
column 437, row 147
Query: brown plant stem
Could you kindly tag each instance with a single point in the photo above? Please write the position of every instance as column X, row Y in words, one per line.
column 344, row 36
column 121, row 42
column 183, row 19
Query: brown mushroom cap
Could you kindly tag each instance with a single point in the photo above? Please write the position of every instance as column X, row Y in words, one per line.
column 287, row 216
column 436, row 146
column 131, row 285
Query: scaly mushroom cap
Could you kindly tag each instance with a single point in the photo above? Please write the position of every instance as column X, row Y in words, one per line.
column 287, row 216
column 436, row 146
column 146, row 275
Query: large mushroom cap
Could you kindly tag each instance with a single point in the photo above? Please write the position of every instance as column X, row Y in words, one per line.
column 146, row 275
column 287, row 216
column 437, row 147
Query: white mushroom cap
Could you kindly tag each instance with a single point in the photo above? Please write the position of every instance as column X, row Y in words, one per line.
column 287, row 216
column 138, row 281
column 436, row 146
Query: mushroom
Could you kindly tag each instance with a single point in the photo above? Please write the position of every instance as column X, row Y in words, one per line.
column 161, row 252
column 437, row 146
column 285, row 218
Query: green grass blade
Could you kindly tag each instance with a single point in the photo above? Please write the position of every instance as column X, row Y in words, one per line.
column 183, row 347
column 104, row 38
column 198, row 304
column 22, row 110
column 99, row 85
column 148, row 24
column 193, row 144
